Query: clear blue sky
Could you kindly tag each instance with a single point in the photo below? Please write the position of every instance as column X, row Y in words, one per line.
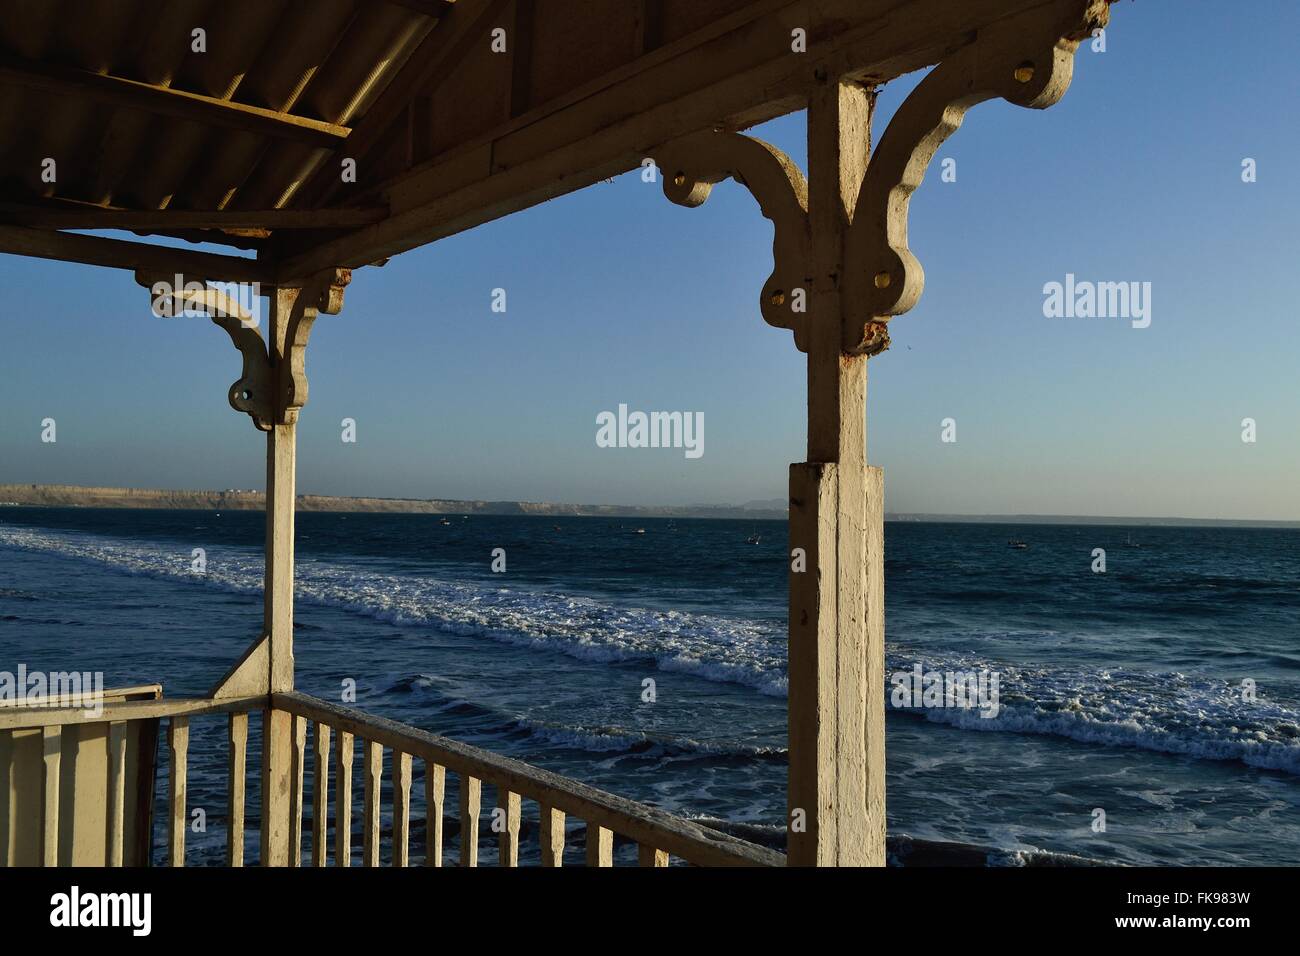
column 617, row 296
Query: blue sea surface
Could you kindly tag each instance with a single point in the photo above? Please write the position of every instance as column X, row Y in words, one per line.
column 1126, row 692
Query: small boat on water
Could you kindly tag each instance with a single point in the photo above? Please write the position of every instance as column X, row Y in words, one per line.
column 639, row 531
column 754, row 539
column 445, row 521
column 1017, row 545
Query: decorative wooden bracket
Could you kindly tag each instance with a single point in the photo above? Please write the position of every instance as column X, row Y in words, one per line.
column 253, row 392
column 692, row 166
column 1026, row 59
column 251, row 674
column 324, row 293
column 270, row 390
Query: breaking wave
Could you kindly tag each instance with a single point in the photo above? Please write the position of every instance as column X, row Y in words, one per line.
column 1164, row 712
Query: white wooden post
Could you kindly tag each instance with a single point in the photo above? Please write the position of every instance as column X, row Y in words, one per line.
column 836, row 703
column 277, row 729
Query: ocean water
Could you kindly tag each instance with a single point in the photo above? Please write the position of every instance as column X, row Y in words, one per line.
column 1124, row 692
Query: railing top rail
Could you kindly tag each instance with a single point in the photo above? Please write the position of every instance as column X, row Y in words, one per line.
column 42, row 715
column 114, row 695
column 645, row 824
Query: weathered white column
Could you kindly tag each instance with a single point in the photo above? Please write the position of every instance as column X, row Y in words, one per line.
column 293, row 313
column 281, row 453
column 836, row 703
column 840, row 248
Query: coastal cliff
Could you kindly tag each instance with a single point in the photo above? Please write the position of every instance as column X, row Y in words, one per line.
column 77, row 496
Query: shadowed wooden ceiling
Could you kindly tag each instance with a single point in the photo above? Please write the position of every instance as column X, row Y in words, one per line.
column 235, row 121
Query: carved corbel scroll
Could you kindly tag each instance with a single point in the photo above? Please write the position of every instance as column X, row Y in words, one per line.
column 324, row 293
column 269, row 392
column 692, row 166
column 1027, row 60
column 253, row 393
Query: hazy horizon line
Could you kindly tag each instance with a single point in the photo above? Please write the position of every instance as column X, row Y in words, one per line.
column 757, row 507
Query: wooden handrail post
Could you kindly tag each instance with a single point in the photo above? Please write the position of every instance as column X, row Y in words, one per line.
column 343, row 799
column 372, row 776
column 600, row 845
column 320, row 796
column 116, row 803
column 52, row 747
column 401, row 808
column 297, row 773
column 649, row 856
column 552, row 836
column 435, row 792
column 507, row 825
column 471, row 792
column 277, row 769
column 238, row 738
column 178, row 741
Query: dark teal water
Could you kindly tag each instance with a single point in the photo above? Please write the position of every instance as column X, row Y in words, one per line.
column 1120, row 691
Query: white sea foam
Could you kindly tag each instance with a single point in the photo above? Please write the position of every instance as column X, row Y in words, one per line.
column 712, row 647
column 1162, row 712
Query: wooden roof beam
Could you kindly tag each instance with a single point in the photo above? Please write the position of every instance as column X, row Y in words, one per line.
column 100, row 217
column 429, row 8
column 167, row 101
column 697, row 83
column 435, row 58
column 139, row 256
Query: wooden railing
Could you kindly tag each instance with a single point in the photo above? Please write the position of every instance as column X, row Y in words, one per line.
column 85, row 822
column 658, row 835
column 338, row 735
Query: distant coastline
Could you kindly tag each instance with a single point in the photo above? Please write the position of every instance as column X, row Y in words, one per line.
column 79, row 496
column 1121, row 520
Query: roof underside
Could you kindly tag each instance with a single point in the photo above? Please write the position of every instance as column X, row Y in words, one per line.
column 140, row 144
column 239, row 134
